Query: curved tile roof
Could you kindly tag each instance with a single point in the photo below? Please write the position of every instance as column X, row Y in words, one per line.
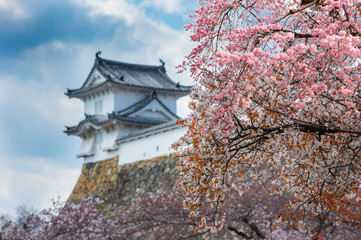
column 142, row 103
column 95, row 120
column 133, row 75
column 98, row 122
column 123, row 115
column 149, row 131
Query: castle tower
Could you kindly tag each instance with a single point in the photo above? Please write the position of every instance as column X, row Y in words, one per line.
column 130, row 112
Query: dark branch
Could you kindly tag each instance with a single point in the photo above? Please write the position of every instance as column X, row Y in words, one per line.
column 239, row 233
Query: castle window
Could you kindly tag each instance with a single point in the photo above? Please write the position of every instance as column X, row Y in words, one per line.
column 98, row 106
column 99, row 137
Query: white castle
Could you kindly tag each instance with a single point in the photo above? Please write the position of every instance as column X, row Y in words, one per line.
column 130, row 112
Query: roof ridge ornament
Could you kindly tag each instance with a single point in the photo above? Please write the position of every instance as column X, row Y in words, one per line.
column 98, row 53
column 154, row 94
column 162, row 67
column 162, row 62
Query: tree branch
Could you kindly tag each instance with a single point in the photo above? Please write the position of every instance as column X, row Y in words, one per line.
column 254, row 227
column 293, row 11
column 239, row 233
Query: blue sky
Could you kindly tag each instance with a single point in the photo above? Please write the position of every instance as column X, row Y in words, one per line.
column 47, row 46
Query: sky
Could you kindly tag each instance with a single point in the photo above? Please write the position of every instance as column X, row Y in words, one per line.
column 47, row 46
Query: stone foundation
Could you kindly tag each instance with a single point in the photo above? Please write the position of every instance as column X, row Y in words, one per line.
column 118, row 184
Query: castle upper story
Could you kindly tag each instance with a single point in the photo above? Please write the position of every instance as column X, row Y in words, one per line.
column 126, row 107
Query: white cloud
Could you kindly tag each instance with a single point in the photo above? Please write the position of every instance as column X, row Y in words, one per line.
column 51, row 68
column 114, row 8
column 129, row 11
column 155, row 39
column 169, row 6
column 36, row 181
column 32, row 179
column 169, row 44
column 32, row 98
column 13, row 9
column 4, row 191
column 58, row 46
column 44, row 100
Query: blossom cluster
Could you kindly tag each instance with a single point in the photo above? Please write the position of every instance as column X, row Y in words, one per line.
column 277, row 82
column 250, row 213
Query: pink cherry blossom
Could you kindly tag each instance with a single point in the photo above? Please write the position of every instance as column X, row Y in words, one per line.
column 295, row 103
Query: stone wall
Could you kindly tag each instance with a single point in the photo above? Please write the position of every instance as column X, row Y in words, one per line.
column 97, row 178
column 118, row 184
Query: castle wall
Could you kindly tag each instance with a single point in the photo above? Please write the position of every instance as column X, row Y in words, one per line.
column 150, row 146
column 126, row 97
column 96, row 178
column 107, row 104
column 119, row 183
column 137, row 148
column 169, row 100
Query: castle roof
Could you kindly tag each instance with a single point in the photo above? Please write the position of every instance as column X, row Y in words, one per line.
column 142, row 104
column 132, row 114
column 90, row 120
column 97, row 121
column 149, row 131
column 120, row 74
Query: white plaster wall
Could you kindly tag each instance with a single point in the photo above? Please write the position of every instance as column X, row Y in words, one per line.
column 87, row 147
column 109, row 139
column 99, row 153
column 126, row 98
column 88, row 106
column 146, row 148
column 125, row 130
column 140, row 149
column 108, row 104
column 169, row 100
column 100, row 150
column 99, row 156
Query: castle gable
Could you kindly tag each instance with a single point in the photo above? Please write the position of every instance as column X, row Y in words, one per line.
column 149, row 108
column 94, row 78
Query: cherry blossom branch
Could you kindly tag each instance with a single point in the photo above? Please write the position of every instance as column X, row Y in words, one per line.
column 303, row 72
column 293, row 11
column 309, row 126
column 239, row 233
column 297, row 35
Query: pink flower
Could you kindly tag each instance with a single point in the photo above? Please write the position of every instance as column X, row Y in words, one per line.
column 349, row 104
column 346, row 91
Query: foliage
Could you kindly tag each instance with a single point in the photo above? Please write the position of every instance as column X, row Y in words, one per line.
column 277, row 82
column 72, row 221
column 250, row 214
column 23, row 211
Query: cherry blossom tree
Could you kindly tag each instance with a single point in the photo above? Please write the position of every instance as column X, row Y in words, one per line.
column 250, row 214
column 81, row 220
column 277, row 83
